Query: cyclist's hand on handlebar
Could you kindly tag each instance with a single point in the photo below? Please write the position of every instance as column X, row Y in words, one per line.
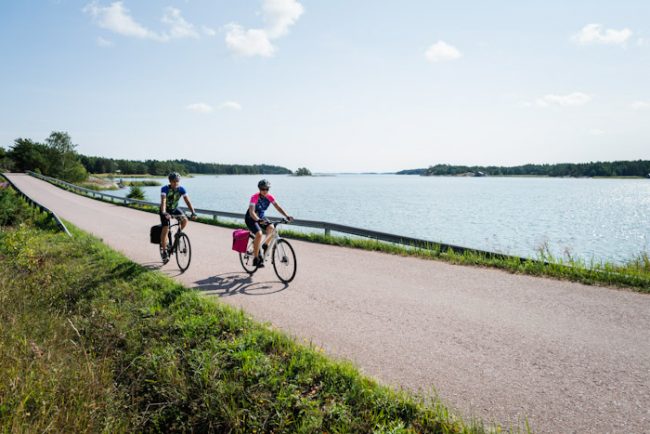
column 193, row 216
column 168, row 216
column 290, row 218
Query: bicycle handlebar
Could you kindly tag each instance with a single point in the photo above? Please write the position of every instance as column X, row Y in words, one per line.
column 279, row 222
column 180, row 216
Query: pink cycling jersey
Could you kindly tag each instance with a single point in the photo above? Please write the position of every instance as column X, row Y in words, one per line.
column 261, row 203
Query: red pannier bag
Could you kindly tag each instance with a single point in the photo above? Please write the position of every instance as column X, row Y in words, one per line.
column 240, row 240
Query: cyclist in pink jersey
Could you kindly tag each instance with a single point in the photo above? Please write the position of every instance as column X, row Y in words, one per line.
column 257, row 223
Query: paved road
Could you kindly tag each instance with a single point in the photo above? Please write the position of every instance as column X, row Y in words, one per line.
column 501, row 347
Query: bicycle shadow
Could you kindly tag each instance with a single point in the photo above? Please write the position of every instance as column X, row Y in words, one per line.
column 159, row 266
column 229, row 284
column 152, row 265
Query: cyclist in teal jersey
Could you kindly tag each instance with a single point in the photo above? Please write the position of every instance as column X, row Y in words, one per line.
column 170, row 195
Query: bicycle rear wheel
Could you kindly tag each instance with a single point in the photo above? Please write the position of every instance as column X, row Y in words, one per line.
column 183, row 252
column 246, row 258
column 284, row 261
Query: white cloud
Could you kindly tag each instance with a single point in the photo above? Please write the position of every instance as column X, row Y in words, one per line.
column 278, row 15
column 179, row 28
column 252, row 42
column 442, row 52
column 230, row 105
column 118, row 19
column 596, row 34
column 208, row 31
column 640, row 105
column 200, row 107
column 104, row 42
column 596, row 132
column 572, row 99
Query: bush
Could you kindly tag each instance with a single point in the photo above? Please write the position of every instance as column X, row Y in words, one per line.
column 13, row 208
column 136, row 192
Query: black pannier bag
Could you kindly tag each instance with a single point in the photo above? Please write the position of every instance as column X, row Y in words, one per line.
column 154, row 234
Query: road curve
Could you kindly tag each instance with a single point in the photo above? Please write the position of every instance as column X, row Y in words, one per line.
column 501, row 347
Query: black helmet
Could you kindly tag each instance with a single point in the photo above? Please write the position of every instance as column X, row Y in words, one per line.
column 264, row 183
column 174, row 176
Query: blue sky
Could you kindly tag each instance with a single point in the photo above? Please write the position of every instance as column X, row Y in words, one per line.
column 331, row 85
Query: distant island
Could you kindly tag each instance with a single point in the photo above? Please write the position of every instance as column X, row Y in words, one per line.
column 637, row 169
column 157, row 167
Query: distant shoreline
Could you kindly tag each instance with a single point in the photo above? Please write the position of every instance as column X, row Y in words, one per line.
column 597, row 169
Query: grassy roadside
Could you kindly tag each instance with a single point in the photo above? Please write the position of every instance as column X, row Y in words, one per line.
column 93, row 342
column 634, row 274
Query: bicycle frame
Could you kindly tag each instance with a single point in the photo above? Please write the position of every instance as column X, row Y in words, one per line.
column 172, row 240
column 275, row 237
column 282, row 254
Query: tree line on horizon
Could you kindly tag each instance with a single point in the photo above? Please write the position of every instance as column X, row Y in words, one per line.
column 637, row 168
column 57, row 157
column 158, row 167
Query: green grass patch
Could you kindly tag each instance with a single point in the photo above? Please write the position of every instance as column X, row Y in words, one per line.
column 633, row 274
column 147, row 183
column 98, row 187
column 91, row 342
column 126, row 175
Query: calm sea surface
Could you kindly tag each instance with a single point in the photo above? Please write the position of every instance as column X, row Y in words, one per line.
column 603, row 219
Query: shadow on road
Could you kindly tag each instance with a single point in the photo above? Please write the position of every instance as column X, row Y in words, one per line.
column 153, row 265
column 169, row 270
column 229, row 284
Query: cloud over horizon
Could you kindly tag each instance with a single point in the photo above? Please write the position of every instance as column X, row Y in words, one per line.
column 596, row 34
column 278, row 15
column 573, row 99
column 200, row 107
column 117, row 19
column 442, row 52
column 640, row 105
column 230, row 105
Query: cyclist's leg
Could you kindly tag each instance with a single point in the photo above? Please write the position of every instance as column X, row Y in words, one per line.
column 165, row 229
column 256, row 230
column 269, row 235
column 183, row 220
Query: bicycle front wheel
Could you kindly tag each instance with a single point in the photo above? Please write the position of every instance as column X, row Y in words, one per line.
column 183, row 252
column 247, row 257
column 284, row 261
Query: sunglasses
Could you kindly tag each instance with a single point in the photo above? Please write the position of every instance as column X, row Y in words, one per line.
column 264, row 189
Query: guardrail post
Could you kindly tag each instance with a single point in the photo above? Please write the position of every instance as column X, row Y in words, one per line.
column 327, row 232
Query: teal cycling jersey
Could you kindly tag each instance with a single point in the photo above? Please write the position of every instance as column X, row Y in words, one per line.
column 173, row 196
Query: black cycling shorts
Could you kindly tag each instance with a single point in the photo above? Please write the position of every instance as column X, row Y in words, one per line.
column 163, row 219
column 254, row 226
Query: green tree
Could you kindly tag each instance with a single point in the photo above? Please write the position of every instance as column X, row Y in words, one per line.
column 136, row 192
column 29, row 155
column 6, row 163
column 65, row 162
column 303, row 171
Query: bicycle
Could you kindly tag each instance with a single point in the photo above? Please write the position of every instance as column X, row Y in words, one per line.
column 283, row 257
column 180, row 245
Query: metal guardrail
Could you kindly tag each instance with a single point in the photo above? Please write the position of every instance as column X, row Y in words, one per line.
column 41, row 207
column 327, row 227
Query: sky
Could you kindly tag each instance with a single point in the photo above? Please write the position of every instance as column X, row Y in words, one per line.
column 334, row 86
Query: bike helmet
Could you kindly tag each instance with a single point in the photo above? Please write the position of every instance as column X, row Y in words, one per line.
column 264, row 183
column 174, row 176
